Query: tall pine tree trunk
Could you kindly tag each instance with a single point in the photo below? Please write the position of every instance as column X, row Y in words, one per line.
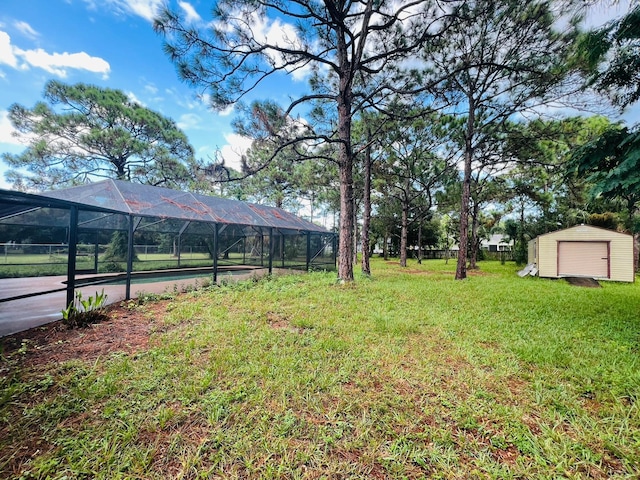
column 404, row 233
column 345, row 234
column 366, row 214
column 473, row 255
column 355, row 232
column 385, row 246
column 345, row 164
column 461, row 267
column 420, row 241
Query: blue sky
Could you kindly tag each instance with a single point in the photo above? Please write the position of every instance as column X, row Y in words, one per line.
column 111, row 43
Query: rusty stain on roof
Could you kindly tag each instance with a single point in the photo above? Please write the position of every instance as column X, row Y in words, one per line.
column 204, row 207
column 135, row 204
column 266, row 211
column 188, row 208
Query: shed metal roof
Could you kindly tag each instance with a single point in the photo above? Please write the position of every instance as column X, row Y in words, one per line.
column 583, row 229
column 149, row 201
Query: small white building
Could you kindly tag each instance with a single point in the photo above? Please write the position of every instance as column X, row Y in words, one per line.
column 496, row 243
column 583, row 251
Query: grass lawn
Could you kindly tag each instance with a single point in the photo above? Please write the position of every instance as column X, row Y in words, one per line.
column 34, row 265
column 409, row 374
column 37, row 265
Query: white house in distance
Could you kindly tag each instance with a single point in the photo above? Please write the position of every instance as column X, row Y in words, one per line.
column 496, row 243
column 583, row 251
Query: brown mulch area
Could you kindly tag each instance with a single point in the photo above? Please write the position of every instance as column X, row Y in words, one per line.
column 127, row 330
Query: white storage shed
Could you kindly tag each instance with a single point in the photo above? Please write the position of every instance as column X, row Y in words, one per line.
column 583, row 251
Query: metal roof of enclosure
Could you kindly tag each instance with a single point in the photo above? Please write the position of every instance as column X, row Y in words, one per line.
column 149, row 201
column 231, row 234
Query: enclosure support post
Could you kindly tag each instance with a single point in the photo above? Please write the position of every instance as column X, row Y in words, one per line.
column 335, row 250
column 182, row 229
column 179, row 248
column 127, row 294
column 261, row 250
column 215, row 253
column 308, row 250
column 244, row 250
column 270, row 250
column 95, row 253
column 73, row 251
column 282, row 249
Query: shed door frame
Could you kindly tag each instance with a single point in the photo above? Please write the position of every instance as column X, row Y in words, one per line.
column 608, row 258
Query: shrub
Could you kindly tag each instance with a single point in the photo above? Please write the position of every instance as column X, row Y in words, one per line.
column 82, row 312
column 118, row 248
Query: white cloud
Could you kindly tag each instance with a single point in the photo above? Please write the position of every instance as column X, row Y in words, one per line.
column 7, row 56
column 60, row 63
column 232, row 152
column 275, row 35
column 26, row 29
column 281, row 35
column 227, row 111
column 147, row 9
column 602, row 12
column 189, row 121
column 632, row 114
column 55, row 63
column 7, row 130
column 132, row 97
column 151, row 88
column 190, row 12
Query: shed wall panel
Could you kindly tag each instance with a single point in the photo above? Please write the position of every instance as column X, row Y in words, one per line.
column 622, row 260
column 547, row 257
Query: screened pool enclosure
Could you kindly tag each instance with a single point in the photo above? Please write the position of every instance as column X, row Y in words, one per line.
column 118, row 232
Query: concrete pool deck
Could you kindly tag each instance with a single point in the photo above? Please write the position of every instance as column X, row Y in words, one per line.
column 25, row 313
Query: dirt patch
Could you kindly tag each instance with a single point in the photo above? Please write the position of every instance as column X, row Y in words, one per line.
column 415, row 272
column 476, row 273
column 583, row 282
column 509, row 455
column 126, row 330
column 470, row 273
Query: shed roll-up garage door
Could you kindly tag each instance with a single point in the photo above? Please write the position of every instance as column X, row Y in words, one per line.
column 583, row 259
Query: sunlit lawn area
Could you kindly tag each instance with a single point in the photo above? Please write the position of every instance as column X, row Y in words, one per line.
column 410, row 374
